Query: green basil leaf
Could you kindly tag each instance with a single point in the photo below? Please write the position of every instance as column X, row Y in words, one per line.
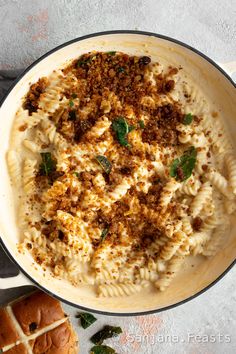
column 86, row 319
column 182, row 168
column 48, row 165
column 106, row 332
column 119, row 125
column 71, row 103
column 188, row 118
column 104, row 233
column 123, row 141
column 141, row 124
column 121, row 70
column 104, row 163
column 173, row 167
column 121, row 128
column 112, row 53
column 102, row 349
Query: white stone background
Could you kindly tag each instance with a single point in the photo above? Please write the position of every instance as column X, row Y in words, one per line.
column 29, row 28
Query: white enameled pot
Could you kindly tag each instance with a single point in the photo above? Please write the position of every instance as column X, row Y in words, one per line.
column 220, row 89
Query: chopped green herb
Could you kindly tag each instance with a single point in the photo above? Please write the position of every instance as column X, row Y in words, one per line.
column 104, row 163
column 48, row 165
column 141, row 124
column 104, row 233
column 102, row 349
column 82, row 62
column 121, row 70
column 120, row 125
column 76, row 174
column 112, row 53
column 182, row 168
column 74, row 95
column 71, row 103
column 106, row 332
column 121, row 128
column 86, row 319
column 188, row 118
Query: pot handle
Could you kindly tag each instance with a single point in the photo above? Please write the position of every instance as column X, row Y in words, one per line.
column 14, row 282
column 229, row 67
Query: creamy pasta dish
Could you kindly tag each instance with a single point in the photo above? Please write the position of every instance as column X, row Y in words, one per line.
column 122, row 170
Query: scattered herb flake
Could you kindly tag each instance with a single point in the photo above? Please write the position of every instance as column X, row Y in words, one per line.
column 82, row 62
column 74, row 95
column 121, row 70
column 71, row 103
column 48, row 165
column 141, row 124
column 102, row 349
column 121, row 128
column 182, row 168
column 112, row 53
column 104, row 233
column 86, row 319
column 106, row 332
column 188, row 118
column 77, row 174
column 104, row 163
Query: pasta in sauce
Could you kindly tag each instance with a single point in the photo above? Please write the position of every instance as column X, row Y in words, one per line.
column 123, row 172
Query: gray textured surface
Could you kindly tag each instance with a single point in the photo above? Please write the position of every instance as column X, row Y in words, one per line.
column 28, row 30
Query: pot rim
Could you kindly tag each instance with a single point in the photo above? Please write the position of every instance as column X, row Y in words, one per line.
column 78, row 39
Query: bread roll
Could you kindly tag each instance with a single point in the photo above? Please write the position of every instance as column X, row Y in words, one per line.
column 36, row 324
column 18, row 349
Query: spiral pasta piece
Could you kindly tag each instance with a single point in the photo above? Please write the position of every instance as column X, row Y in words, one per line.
column 231, row 167
column 199, row 239
column 219, row 182
column 122, row 289
column 29, row 171
column 168, row 193
column 190, row 187
column 170, row 248
column 14, row 166
column 201, row 198
column 166, row 278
